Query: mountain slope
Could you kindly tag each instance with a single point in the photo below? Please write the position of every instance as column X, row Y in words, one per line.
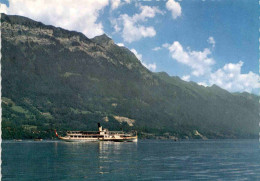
column 54, row 78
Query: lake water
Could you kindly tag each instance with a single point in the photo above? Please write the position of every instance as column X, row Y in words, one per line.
column 145, row 160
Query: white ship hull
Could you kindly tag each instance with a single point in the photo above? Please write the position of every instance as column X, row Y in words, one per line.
column 129, row 139
column 79, row 139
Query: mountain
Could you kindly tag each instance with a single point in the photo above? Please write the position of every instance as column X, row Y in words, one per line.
column 58, row 79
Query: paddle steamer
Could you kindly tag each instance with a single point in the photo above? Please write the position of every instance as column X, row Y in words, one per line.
column 100, row 135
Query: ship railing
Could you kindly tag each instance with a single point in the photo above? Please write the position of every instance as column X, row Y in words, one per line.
column 115, row 132
column 82, row 132
column 120, row 133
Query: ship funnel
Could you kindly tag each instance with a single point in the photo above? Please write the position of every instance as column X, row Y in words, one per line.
column 99, row 127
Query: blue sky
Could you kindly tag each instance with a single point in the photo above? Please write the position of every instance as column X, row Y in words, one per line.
column 206, row 41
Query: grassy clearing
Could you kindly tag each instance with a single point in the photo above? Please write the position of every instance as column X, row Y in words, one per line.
column 68, row 74
column 19, row 109
column 7, row 101
column 77, row 111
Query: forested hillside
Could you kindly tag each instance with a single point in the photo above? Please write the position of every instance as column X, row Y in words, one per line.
column 58, row 79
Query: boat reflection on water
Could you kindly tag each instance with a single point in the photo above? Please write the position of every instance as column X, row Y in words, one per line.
column 111, row 154
column 110, row 147
column 95, row 158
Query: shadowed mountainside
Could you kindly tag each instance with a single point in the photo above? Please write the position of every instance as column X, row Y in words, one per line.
column 54, row 78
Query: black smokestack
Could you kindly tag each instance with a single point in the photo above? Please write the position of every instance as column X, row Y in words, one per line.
column 99, row 127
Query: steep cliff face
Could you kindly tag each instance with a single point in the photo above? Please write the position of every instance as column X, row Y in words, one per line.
column 54, row 78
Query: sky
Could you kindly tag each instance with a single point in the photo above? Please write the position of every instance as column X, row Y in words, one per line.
column 204, row 41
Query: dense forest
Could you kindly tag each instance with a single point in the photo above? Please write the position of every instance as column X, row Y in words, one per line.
column 58, row 79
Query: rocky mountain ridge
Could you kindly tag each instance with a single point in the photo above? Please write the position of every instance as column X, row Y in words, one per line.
column 55, row 78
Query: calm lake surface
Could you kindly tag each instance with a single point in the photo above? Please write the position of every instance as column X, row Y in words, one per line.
column 145, row 160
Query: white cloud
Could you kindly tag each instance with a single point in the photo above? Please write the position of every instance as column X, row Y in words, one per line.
column 115, row 4
column 203, row 84
column 186, row 78
column 174, row 7
column 166, row 45
column 156, row 48
column 146, row 12
column 3, row 8
column 151, row 66
column 211, row 41
column 139, row 56
column 116, row 25
column 198, row 61
column 77, row 15
column 132, row 32
column 230, row 78
column 120, row 44
column 132, row 28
